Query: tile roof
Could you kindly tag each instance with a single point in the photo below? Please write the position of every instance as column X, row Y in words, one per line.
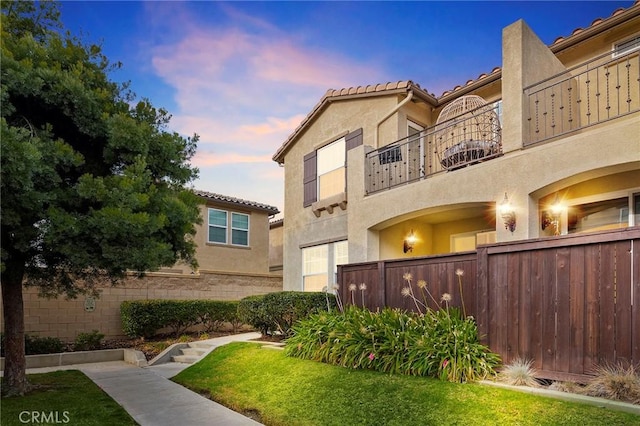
column 276, row 223
column 237, row 201
column 405, row 86
column 594, row 24
column 383, row 89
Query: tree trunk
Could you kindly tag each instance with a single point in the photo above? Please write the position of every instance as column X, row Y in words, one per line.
column 15, row 378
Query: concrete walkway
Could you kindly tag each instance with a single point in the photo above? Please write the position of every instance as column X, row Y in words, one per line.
column 153, row 400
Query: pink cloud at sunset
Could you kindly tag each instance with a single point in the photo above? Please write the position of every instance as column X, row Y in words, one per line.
column 207, row 159
column 253, row 137
column 244, row 88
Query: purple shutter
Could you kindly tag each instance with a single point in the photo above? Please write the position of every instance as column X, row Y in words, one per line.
column 310, row 180
column 352, row 140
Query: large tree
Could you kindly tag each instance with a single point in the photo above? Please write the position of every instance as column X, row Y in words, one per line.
column 93, row 183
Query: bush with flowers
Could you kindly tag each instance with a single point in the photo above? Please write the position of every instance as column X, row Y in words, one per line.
column 437, row 343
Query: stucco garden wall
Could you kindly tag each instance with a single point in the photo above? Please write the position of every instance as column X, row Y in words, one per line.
column 66, row 318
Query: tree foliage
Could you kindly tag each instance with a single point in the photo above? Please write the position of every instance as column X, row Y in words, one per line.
column 92, row 182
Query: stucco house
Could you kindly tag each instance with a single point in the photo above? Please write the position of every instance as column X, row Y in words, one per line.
column 233, row 236
column 546, row 144
column 276, row 236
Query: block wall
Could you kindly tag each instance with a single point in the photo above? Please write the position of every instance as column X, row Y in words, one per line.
column 64, row 318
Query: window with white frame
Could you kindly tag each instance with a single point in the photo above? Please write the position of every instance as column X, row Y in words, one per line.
column 217, row 226
column 498, row 109
column 221, row 233
column 331, row 169
column 415, row 150
column 626, row 46
column 239, row 229
column 317, row 263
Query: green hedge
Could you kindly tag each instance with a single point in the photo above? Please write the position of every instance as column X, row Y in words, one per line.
column 214, row 314
column 252, row 311
column 281, row 310
column 143, row 318
column 36, row 345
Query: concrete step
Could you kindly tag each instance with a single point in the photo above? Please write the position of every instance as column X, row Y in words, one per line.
column 185, row 359
column 203, row 345
column 193, row 351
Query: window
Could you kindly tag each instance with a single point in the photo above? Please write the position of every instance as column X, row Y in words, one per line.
column 239, row 229
column 221, row 233
column 497, row 107
column 390, row 155
column 217, row 226
column 318, row 261
column 413, row 130
column 415, row 150
column 315, row 268
column 327, row 164
column 601, row 215
column 627, row 46
column 331, row 171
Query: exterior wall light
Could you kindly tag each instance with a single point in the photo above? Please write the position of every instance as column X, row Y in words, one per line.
column 551, row 217
column 508, row 214
column 409, row 242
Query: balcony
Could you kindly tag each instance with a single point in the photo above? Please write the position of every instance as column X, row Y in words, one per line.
column 466, row 139
column 594, row 92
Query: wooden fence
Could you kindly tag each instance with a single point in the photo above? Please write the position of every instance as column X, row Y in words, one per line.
column 568, row 303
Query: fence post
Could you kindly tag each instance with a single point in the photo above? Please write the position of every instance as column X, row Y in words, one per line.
column 382, row 282
column 482, row 296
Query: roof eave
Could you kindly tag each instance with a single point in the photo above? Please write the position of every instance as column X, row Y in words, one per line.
column 496, row 75
column 329, row 98
column 237, row 203
column 579, row 35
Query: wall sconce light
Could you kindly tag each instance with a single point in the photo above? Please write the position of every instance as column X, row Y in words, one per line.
column 551, row 217
column 508, row 214
column 409, row 242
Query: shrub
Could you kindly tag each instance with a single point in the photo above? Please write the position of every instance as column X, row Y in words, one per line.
column 615, row 382
column 251, row 310
column 34, row 345
column 437, row 344
column 214, row 314
column 143, row 318
column 280, row 310
column 519, row 372
column 234, row 318
column 179, row 315
column 88, row 341
column 455, row 343
column 285, row 308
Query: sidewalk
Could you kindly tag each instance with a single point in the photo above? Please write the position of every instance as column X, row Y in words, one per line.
column 153, row 400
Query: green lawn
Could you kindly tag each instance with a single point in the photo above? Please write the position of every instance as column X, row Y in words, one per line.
column 289, row 391
column 63, row 397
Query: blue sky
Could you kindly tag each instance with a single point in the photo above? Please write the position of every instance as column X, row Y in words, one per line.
column 243, row 75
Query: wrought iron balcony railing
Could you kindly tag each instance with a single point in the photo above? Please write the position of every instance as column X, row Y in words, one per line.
column 467, row 139
column 602, row 89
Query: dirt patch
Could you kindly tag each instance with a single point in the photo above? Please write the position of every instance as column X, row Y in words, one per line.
column 252, row 414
